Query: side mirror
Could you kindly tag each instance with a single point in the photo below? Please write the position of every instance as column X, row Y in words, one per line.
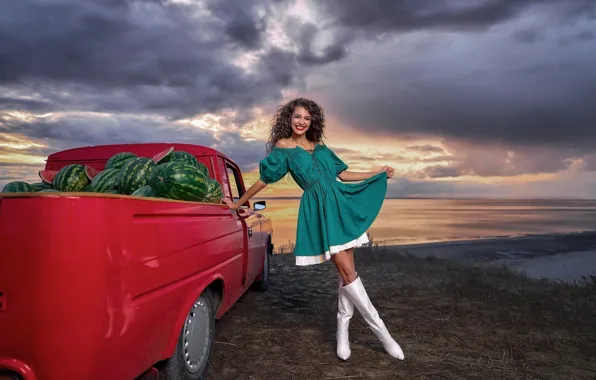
column 260, row 205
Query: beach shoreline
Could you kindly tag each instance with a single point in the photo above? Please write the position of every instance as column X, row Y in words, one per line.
column 568, row 256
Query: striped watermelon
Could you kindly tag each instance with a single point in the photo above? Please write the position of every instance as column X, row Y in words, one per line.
column 145, row 191
column 48, row 191
column 88, row 188
column 18, row 187
column 182, row 156
column 163, row 156
column 134, row 174
column 214, row 191
column 71, row 178
column 38, row 186
column 203, row 169
column 178, row 180
column 47, row 176
column 118, row 160
column 105, row 180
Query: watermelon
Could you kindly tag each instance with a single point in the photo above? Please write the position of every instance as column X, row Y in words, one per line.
column 178, row 180
column 182, row 156
column 48, row 191
column 214, row 191
column 38, row 186
column 203, row 169
column 18, row 187
column 113, row 191
column 163, row 156
column 91, row 172
column 47, row 176
column 105, row 181
column 134, row 174
column 118, row 160
column 145, row 191
column 71, row 178
column 88, row 188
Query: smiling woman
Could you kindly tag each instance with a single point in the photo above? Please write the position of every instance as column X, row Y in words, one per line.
column 334, row 216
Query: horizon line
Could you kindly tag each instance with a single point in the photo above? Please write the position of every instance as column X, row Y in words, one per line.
column 457, row 198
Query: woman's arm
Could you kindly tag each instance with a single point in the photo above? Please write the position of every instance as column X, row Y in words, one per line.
column 251, row 192
column 348, row 176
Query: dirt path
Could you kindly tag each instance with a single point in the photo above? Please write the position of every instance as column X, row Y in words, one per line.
column 453, row 322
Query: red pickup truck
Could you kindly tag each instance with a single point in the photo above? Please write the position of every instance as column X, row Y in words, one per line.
column 106, row 286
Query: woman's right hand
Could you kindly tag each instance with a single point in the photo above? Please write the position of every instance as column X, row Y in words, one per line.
column 230, row 203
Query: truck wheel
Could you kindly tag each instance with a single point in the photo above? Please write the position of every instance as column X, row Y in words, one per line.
column 263, row 283
column 192, row 358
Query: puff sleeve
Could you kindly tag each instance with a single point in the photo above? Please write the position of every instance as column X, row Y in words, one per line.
column 273, row 167
column 340, row 166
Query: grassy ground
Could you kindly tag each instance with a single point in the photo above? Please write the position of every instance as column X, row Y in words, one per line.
column 453, row 322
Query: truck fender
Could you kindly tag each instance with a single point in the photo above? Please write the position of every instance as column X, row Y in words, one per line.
column 215, row 278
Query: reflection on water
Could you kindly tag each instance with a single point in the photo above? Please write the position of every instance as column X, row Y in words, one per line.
column 403, row 221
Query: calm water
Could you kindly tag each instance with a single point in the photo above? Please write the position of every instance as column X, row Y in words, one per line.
column 404, row 221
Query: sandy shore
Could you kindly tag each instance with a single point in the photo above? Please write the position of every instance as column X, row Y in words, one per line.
column 559, row 257
column 454, row 320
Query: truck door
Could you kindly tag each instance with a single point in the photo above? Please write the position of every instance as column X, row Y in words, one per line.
column 253, row 260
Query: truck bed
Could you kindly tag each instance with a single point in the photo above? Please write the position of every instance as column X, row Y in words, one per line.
column 82, row 273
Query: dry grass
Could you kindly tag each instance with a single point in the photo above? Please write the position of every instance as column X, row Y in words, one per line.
column 453, row 322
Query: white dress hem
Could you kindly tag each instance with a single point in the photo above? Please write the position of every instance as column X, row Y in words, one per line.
column 334, row 249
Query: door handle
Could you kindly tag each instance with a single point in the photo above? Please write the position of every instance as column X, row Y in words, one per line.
column 249, row 232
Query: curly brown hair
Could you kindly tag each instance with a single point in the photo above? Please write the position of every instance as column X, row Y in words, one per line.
column 281, row 128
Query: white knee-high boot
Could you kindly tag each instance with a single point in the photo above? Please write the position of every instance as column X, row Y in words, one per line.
column 345, row 311
column 357, row 294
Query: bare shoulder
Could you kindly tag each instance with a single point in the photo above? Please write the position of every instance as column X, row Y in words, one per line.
column 284, row 143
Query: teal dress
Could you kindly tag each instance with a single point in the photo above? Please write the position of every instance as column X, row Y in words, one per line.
column 333, row 216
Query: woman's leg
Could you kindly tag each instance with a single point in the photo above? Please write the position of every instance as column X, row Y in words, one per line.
column 353, row 294
column 344, row 261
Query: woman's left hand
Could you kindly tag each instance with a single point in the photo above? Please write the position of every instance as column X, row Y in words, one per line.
column 389, row 170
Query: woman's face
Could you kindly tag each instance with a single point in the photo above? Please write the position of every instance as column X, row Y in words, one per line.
column 300, row 121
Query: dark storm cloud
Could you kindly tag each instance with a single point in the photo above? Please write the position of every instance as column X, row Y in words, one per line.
column 139, row 55
column 73, row 131
column 381, row 16
column 304, row 35
column 241, row 21
column 9, row 103
column 245, row 153
column 500, row 160
column 528, row 36
column 539, row 109
column 477, row 85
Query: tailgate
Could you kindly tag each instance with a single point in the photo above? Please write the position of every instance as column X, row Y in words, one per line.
column 53, row 269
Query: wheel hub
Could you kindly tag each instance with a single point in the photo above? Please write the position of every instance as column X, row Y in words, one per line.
column 196, row 336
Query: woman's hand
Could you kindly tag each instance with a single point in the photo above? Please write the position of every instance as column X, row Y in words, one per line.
column 230, row 203
column 387, row 169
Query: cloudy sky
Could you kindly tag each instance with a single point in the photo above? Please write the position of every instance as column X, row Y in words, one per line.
column 462, row 97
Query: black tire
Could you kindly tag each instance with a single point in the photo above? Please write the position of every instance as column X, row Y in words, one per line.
column 262, row 284
column 200, row 325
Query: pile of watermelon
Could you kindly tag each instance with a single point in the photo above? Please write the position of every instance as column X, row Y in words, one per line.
column 169, row 174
